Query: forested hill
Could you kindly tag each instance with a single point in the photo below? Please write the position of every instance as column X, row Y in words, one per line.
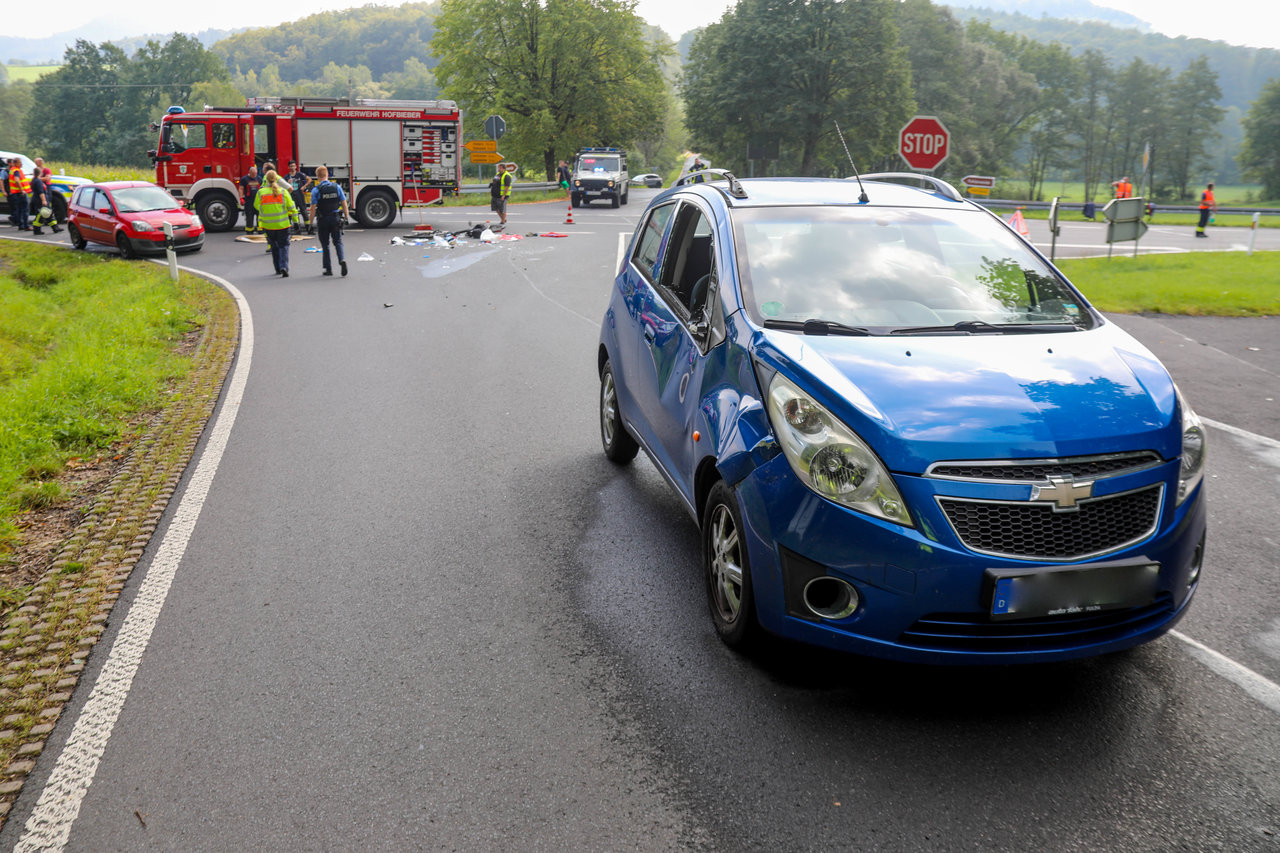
column 381, row 38
column 1242, row 71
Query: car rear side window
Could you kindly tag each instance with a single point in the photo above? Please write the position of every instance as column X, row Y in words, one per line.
column 649, row 246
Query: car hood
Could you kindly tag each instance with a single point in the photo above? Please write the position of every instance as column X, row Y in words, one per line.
column 918, row 400
column 175, row 215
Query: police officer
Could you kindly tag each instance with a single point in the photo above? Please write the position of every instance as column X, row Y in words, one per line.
column 329, row 203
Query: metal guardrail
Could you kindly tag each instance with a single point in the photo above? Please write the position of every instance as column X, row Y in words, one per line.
column 1005, row 204
column 527, row 187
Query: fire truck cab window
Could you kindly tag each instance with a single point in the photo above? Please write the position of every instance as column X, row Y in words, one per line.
column 224, row 135
column 184, row 136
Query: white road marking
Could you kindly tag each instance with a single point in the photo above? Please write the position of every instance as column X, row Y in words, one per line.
column 49, row 826
column 1242, row 433
column 1265, row 691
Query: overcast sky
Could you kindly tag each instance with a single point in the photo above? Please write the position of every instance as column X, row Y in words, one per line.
column 1243, row 22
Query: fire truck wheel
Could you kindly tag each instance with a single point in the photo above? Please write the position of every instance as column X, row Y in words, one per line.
column 125, row 247
column 76, row 238
column 376, row 208
column 218, row 211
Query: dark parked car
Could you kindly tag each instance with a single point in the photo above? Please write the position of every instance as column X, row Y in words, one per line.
column 130, row 215
column 901, row 430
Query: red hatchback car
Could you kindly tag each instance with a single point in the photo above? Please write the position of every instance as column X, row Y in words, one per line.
column 130, row 215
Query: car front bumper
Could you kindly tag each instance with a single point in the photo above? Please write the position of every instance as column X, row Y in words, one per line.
column 925, row 597
column 155, row 245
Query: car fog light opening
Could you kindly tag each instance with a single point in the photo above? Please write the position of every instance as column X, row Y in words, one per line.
column 1197, row 560
column 830, row 598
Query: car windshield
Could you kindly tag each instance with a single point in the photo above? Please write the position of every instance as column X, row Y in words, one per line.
column 598, row 164
column 909, row 270
column 137, row 199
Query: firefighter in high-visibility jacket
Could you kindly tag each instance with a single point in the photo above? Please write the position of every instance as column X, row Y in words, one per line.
column 276, row 215
column 19, row 195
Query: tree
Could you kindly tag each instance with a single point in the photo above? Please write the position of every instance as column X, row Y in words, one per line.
column 785, row 71
column 563, row 73
column 413, row 82
column 15, row 103
column 72, row 105
column 1139, row 113
column 1260, row 154
column 97, row 107
column 1195, row 114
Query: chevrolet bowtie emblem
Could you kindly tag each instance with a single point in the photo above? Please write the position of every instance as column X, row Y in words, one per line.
column 1063, row 492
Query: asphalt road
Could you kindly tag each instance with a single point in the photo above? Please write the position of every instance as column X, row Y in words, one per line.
column 420, row 611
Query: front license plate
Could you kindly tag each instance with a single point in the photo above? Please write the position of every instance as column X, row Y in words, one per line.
column 1071, row 591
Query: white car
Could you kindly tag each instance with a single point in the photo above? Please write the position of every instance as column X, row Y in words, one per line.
column 649, row 179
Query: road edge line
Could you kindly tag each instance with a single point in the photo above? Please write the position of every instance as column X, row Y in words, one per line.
column 49, row 825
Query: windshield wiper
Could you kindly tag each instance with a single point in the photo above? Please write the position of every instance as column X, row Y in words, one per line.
column 818, row 327
column 980, row 327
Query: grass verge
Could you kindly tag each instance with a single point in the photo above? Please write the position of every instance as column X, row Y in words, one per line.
column 68, row 559
column 1226, row 284
column 86, row 345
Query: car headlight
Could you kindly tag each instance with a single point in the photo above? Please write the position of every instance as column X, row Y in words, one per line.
column 141, row 227
column 829, row 458
column 1193, row 451
column 195, row 221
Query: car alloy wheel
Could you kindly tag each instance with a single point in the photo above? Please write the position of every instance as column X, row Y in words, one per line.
column 619, row 446
column 727, row 569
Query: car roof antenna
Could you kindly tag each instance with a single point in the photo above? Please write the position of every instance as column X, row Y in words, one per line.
column 862, row 195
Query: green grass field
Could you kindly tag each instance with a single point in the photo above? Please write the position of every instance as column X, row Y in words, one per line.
column 30, row 73
column 1226, row 284
column 1228, row 195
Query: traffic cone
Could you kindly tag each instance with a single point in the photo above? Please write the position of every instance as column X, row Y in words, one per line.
column 1019, row 223
column 568, row 220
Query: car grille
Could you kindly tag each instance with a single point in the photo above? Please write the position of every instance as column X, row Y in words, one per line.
column 973, row 632
column 1028, row 530
column 1038, row 470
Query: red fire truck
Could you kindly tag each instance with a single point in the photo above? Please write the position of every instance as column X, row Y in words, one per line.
column 385, row 154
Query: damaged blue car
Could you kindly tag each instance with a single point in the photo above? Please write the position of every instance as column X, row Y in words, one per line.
column 901, row 431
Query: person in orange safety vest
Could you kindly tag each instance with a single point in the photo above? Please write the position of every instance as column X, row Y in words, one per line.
column 1123, row 188
column 1207, row 208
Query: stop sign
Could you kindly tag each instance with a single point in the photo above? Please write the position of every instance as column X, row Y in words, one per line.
column 924, row 143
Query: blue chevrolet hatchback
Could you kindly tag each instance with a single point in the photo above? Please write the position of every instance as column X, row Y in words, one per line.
column 901, row 431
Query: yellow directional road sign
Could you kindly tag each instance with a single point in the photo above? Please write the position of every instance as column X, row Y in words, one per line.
column 486, row 157
column 481, row 146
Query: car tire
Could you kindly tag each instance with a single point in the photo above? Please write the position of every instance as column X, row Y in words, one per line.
column 576, row 200
column 619, row 446
column 76, row 238
column 626, row 196
column 125, row 247
column 727, row 569
column 613, row 202
column 218, row 211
